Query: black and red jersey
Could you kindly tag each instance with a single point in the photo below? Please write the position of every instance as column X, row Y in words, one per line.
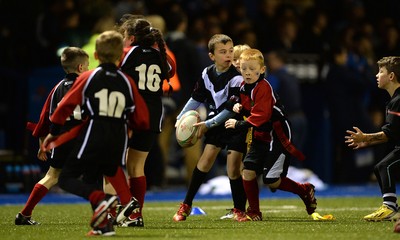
column 266, row 115
column 144, row 65
column 56, row 94
column 261, row 107
column 104, row 93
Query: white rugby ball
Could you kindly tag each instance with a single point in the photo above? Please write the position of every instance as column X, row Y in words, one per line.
column 185, row 131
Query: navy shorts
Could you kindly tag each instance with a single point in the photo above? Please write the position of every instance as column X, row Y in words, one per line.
column 143, row 140
column 59, row 155
column 271, row 161
column 231, row 139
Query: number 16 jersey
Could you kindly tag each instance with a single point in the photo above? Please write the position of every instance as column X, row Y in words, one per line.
column 144, row 66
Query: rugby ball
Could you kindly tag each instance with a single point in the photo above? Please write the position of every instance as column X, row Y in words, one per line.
column 185, row 131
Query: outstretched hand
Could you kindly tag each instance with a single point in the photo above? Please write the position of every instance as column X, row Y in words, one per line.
column 201, row 128
column 355, row 139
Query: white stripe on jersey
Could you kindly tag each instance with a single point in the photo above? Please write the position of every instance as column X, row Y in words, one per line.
column 221, row 96
column 127, row 55
column 89, row 107
column 83, row 146
column 51, row 100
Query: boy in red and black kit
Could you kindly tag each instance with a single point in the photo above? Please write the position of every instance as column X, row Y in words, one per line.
column 270, row 146
column 113, row 104
column 74, row 61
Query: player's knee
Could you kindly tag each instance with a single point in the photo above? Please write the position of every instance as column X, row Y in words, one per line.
column 234, row 175
column 49, row 180
column 234, row 172
column 249, row 175
column 53, row 181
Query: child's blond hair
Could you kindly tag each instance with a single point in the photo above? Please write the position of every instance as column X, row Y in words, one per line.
column 238, row 49
column 252, row 54
column 109, row 46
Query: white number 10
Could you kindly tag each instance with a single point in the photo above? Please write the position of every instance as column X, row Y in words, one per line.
column 110, row 105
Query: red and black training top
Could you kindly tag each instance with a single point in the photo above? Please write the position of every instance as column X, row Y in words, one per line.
column 41, row 129
column 266, row 115
column 112, row 103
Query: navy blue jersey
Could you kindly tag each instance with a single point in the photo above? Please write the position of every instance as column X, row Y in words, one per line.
column 215, row 90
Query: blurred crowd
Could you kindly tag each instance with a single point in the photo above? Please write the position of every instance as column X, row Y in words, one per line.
column 321, row 58
column 301, row 26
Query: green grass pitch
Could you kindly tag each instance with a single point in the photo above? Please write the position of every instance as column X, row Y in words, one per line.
column 283, row 218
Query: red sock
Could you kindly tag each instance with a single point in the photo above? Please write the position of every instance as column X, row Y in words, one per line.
column 38, row 192
column 138, row 187
column 252, row 193
column 289, row 185
column 95, row 197
column 118, row 181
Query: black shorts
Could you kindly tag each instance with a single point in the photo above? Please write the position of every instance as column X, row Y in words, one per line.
column 93, row 164
column 271, row 160
column 143, row 140
column 231, row 139
column 256, row 156
column 102, row 146
column 59, row 155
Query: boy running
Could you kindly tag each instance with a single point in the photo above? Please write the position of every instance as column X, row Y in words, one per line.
column 74, row 61
column 270, row 147
column 113, row 104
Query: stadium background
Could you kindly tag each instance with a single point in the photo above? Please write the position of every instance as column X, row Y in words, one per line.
column 32, row 32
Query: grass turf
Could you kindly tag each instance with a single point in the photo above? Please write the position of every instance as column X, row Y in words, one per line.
column 282, row 219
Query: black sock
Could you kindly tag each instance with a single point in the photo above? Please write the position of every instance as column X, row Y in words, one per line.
column 390, row 200
column 195, row 183
column 238, row 194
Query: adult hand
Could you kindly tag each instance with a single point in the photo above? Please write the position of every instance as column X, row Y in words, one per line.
column 355, row 139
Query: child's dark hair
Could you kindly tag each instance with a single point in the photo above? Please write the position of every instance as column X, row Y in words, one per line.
column 392, row 64
column 71, row 57
column 147, row 36
column 123, row 19
column 217, row 38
